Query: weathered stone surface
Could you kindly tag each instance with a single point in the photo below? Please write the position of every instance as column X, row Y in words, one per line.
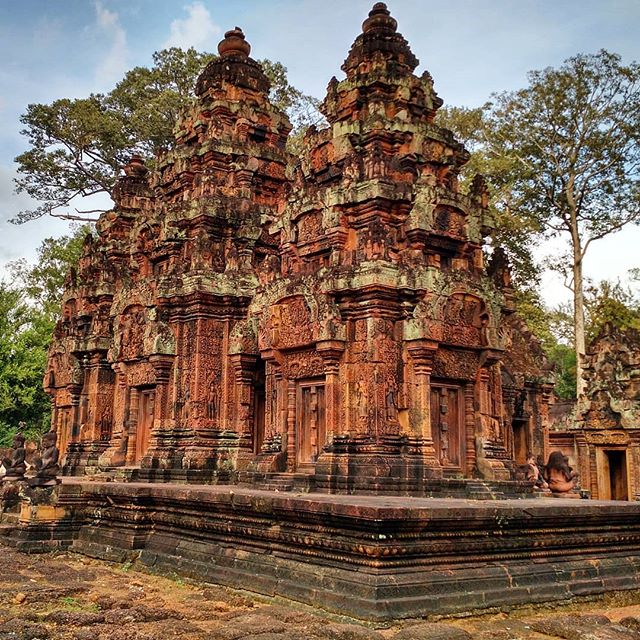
column 631, row 622
column 583, row 627
column 18, row 629
column 138, row 613
column 432, row 631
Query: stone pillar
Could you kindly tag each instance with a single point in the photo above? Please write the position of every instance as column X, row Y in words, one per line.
column 290, row 435
column 423, row 352
column 331, row 352
column 509, row 403
column 244, row 372
column 162, row 368
column 470, row 428
column 132, row 424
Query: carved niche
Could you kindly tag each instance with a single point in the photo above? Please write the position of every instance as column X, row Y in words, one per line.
column 465, row 321
column 132, row 325
column 290, row 323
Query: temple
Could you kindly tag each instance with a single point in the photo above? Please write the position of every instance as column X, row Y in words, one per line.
column 600, row 433
column 329, row 318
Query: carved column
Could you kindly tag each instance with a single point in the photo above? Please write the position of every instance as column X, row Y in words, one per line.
column 132, row 424
column 244, row 371
column 290, row 436
column 162, row 368
column 423, row 352
column 470, row 428
column 331, row 352
column 120, row 414
column 509, row 403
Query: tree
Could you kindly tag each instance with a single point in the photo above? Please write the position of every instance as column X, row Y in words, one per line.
column 42, row 284
column 609, row 303
column 24, row 338
column 571, row 145
column 29, row 308
column 517, row 235
column 77, row 147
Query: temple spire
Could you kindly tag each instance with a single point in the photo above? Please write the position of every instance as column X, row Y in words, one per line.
column 234, row 66
column 380, row 43
column 380, row 20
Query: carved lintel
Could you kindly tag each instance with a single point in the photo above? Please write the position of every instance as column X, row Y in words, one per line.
column 489, row 357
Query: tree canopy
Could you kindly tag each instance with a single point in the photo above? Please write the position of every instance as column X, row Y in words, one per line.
column 78, row 146
column 29, row 307
column 564, row 157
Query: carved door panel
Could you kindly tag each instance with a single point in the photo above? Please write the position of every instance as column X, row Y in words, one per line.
column 64, row 430
column 145, row 422
column 447, row 425
column 311, row 430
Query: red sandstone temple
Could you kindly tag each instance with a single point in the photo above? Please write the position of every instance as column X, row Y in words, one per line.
column 328, row 318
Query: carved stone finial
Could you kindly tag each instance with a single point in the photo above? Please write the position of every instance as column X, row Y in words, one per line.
column 379, row 19
column 234, row 44
column 233, row 66
column 135, row 167
column 379, row 38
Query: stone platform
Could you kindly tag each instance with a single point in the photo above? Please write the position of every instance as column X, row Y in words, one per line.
column 369, row 557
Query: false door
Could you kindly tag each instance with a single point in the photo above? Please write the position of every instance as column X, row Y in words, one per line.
column 447, row 425
column 145, row 422
column 311, row 431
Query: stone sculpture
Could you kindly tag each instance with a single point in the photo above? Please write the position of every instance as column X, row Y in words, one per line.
column 559, row 475
column 15, row 464
column 46, row 463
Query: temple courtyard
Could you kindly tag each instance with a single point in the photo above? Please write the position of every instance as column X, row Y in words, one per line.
column 66, row 596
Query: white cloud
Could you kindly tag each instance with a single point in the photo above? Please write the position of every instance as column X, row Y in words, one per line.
column 114, row 64
column 196, row 30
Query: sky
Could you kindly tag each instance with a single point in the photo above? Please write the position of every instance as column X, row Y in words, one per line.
column 70, row 48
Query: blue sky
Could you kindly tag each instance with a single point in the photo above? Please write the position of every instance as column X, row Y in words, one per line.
column 70, row 48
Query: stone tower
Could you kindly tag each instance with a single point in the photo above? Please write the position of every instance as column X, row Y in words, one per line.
column 327, row 316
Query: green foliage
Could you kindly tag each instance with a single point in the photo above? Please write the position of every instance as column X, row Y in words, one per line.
column 611, row 304
column 43, row 282
column 608, row 303
column 28, row 310
column 517, row 235
column 302, row 109
column 564, row 359
column 547, row 325
column 25, row 335
column 77, row 146
column 570, row 140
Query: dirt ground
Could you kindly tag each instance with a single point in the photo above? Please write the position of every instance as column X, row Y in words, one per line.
column 64, row 596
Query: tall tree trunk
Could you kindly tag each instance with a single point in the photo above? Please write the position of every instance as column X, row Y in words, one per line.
column 578, row 316
column 578, row 286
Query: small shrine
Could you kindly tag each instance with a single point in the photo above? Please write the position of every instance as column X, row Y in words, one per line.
column 601, row 433
column 330, row 316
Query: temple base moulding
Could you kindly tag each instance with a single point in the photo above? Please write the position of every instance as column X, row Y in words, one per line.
column 375, row 558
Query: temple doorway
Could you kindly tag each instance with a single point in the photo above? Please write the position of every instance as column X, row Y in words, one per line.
column 311, row 428
column 447, row 425
column 521, row 445
column 613, row 475
column 146, row 405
